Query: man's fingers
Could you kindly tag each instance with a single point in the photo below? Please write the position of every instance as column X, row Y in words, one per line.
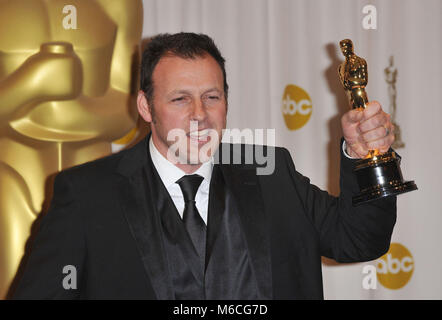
column 376, row 121
column 371, row 109
column 375, row 134
column 354, row 115
column 380, row 144
column 360, row 149
column 368, row 129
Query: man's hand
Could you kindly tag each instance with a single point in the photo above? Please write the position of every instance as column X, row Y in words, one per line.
column 367, row 129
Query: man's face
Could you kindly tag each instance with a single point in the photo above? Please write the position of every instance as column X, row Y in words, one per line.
column 188, row 95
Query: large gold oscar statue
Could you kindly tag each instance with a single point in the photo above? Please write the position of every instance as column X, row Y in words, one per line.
column 66, row 92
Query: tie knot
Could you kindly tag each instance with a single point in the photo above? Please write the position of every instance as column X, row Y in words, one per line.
column 189, row 185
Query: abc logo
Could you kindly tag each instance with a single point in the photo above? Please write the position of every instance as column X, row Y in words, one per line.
column 395, row 268
column 296, row 107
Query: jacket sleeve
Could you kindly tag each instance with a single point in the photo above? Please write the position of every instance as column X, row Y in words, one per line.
column 55, row 264
column 346, row 233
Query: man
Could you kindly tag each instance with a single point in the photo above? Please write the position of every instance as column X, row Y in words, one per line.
column 149, row 223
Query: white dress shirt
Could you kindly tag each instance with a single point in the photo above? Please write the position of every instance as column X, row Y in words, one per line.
column 169, row 174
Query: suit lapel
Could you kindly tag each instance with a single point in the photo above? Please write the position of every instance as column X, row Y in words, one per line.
column 140, row 212
column 216, row 208
column 243, row 183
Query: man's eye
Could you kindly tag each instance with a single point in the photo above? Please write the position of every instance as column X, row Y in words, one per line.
column 178, row 99
column 213, row 97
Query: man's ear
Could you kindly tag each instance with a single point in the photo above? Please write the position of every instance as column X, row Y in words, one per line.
column 143, row 107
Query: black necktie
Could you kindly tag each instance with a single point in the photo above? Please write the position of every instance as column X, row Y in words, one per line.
column 192, row 220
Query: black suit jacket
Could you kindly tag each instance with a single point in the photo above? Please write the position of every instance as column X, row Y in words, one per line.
column 101, row 223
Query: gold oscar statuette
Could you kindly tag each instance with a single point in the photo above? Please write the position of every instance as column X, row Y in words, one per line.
column 378, row 175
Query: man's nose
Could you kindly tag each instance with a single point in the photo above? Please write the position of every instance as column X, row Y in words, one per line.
column 199, row 111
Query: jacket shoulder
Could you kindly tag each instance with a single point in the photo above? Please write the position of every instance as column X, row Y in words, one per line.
column 94, row 167
column 108, row 166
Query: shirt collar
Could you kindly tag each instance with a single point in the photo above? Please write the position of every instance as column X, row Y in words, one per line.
column 169, row 173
